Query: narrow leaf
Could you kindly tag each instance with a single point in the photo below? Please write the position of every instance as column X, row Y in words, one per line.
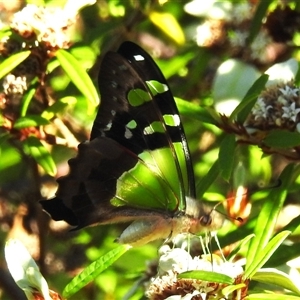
column 243, row 109
column 237, row 248
column 226, row 156
column 12, row 62
column 207, row 276
column 282, row 139
column 78, row 76
column 30, row 121
column 263, row 256
column 267, row 219
column 167, row 23
column 58, row 107
column 277, row 277
column 269, row 296
column 197, row 112
column 260, row 14
column 36, row 149
column 93, row 270
column 208, row 179
column 26, row 100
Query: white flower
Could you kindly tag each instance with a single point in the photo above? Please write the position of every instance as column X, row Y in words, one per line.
column 290, row 112
column 14, row 85
column 287, row 91
column 260, row 110
column 24, row 270
column 177, row 260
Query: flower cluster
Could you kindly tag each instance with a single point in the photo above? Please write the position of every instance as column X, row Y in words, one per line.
column 168, row 285
column 277, row 107
column 46, row 24
column 229, row 26
column 39, row 31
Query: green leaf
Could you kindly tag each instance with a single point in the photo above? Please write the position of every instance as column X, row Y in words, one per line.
column 208, row 179
column 167, row 23
column 226, row 156
column 267, row 220
column 263, row 256
column 260, row 14
column 207, row 276
column 78, row 76
column 26, row 100
column 282, row 139
column 232, row 288
column 269, row 296
column 93, row 270
column 243, row 109
column 30, row 121
column 36, row 149
column 274, row 276
column 237, row 248
column 297, row 76
column 58, row 107
column 12, row 62
column 197, row 112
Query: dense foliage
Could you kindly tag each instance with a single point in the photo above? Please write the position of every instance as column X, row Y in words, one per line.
column 242, row 128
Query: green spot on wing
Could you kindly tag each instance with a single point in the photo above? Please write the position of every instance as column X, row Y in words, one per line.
column 132, row 124
column 155, row 126
column 156, row 87
column 137, row 97
column 172, row 120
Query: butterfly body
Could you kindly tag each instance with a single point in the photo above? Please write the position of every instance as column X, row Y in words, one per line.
column 136, row 167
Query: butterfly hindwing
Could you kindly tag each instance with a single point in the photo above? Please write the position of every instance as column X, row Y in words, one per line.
column 137, row 159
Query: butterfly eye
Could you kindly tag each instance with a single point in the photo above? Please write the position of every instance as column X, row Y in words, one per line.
column 205, row 220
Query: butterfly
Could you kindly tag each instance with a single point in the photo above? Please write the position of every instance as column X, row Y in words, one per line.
column 137, row 166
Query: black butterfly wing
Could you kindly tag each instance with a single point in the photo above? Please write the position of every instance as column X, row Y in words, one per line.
column 137, row 160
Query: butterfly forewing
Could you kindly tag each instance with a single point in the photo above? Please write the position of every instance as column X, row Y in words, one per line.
column 144, row 117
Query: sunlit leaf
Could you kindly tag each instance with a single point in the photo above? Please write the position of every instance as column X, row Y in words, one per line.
column 274, row 276
column 263, row 255
column 207, row 276
column 26, row 100
column 30, row 121
column 24, row 270
column 78, row 76
column 93, row 270
column 267, row 220
column 58, row 107
column 12, row 62
column 36, row 149
column 270, row 296
column 169, row 25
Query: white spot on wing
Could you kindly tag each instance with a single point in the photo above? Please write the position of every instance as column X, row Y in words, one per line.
column 139, row 57
column 128, row 134
column 148, row 130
